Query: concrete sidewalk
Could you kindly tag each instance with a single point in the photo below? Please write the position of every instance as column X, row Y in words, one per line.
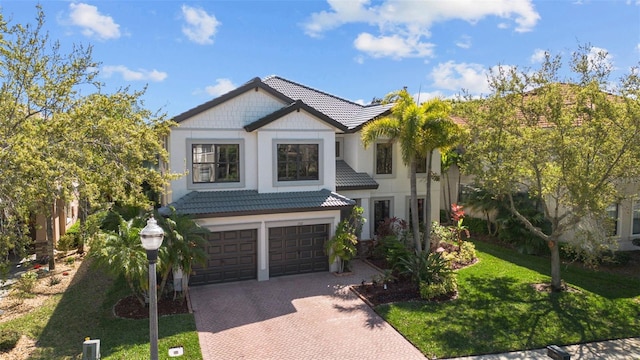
column 623, row 349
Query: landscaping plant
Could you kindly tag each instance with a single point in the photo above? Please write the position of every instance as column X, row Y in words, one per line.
column 342, row 246
column 121, row 253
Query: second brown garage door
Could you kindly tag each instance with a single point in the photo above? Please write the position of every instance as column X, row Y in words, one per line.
column 297, row 249
column 231, row 256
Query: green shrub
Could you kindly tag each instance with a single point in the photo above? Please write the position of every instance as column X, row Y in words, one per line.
column 8, row 340
column 425, row 267
column 54, row 280
column 467, row 253
column 476, row 225
column 392, row 250
column 27, row 282
column 445, row 286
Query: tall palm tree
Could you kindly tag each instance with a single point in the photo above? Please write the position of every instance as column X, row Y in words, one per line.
column 403, row 126
column 437, row 132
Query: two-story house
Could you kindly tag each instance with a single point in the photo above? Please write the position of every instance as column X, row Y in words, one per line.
column 272, row 167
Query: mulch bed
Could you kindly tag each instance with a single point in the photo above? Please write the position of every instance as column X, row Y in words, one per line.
column 130, row 308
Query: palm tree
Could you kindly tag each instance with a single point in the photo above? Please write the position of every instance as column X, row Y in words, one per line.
column 402, row 125
column 183, row 246
column 437, row 132
column 121, row 252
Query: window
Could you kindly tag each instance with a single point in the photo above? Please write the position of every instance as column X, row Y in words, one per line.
column 421, row 164
column 298, row 162
column 215, row 163
column 384, row 159
column 635, row 227
column 420, row 211
column 612, row 214
column 339, row 142
column 381, row 211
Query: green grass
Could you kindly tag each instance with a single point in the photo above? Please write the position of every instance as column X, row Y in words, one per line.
column 85, row 310
column 499, row 311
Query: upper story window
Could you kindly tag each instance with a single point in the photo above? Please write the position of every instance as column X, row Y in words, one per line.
column 339, row 146
column 215, row 163
column 384, row 159
column 298, row 162
column 635, row 218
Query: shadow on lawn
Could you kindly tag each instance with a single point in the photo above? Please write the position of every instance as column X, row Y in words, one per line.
column 610, row 286
column 502, row 314
column 85, row 310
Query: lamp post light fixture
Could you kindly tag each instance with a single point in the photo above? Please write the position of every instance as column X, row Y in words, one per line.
column 151, row 237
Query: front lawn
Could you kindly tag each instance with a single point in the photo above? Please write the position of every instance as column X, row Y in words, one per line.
column 498, row 310
column 86, row 310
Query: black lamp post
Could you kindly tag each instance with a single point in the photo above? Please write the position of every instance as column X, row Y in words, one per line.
column 151, row 237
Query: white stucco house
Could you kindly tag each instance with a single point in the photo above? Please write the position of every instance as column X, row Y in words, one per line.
column 271, row 167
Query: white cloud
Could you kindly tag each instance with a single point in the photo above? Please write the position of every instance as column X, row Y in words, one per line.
column 538, row 56
column 222, row 86
column 92, row 22
column 200, row 27
column 464, row 42
column 410, row 22
column 600, row 58
column 424, row 96
column 393, row 46
column 457, row 76
column 638, row 47
column 131, row 75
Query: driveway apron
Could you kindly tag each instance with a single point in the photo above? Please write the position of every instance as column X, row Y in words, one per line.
column 309, row 316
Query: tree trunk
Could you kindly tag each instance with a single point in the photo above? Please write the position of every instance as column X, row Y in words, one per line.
column 83, row 213
column 415, row 226
column 427, row 206
column 556, row 280
column 448, row 199
column 50, row 240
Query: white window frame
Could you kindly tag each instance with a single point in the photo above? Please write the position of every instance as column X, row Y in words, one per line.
column 372, row 228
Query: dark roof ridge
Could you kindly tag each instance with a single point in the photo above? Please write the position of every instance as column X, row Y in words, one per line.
column 316, row 90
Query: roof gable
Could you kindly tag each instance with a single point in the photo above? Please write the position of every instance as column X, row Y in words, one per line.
column 254, row 84
column 350, row 114
column 296, row 106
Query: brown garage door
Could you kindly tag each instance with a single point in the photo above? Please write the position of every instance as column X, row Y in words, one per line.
column 231, row 256
column 297, row 249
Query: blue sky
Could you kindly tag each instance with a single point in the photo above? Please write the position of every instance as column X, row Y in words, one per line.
column 187, row 52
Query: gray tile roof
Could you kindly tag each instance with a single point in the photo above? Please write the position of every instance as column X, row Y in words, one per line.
column 250, row 202
column 346, row 112
column 349, row 179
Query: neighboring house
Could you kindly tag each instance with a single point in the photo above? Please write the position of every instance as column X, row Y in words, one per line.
column 625, row 214
column 272, row 167
column 64, row 215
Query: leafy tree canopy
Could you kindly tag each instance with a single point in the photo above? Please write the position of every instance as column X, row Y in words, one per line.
column 570, row 142
column 61, row 137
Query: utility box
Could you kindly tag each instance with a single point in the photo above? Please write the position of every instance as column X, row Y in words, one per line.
column 177, row 280
column 556, row 353
column 91, row 349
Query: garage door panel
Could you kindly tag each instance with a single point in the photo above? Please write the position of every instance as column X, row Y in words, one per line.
column 231, row 257
column 297, row 249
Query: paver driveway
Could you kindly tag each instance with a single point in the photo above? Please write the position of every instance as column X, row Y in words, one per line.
column 310, row 316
